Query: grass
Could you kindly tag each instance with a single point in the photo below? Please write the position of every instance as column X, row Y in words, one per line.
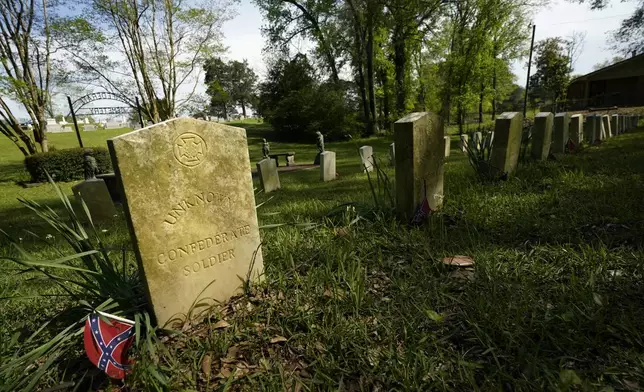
column 553, row 302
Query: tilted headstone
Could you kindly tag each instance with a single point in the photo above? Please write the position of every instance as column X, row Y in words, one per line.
column 268, row 176
column 614, row 125
column 366, row 158
column 327, row 166
column 589, row 130
column 606, row 131
column 542, row 135
column 447, row 141
column 392, row 154
column 191, row 210
column 488, row 140
column 464, row 140
column 560, row 133
column 575, row 129
column 97, row 199
column 419, row 163
column 508, row 130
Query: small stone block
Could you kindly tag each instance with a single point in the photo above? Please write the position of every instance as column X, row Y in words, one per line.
column 560, row 134
column 327, row 166
column 575, row 129
column 542, row 135
column 97, row 199
column 447, row 141
column 366, row 158
column 268, row 176
column 508, row 130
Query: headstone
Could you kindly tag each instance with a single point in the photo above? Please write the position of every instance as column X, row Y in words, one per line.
column 614, row 125
column 542, row 135
column 392, row 154
column 590, row 134
column 97, row 199
column 191, row 210
column 560, row 133
column 90, row 127
column 419, row 163
column 606, row 131
column 505, row 150
column 575, row 129
column 113, row 186
column 366, row 158
column 478, row 139
column 327, row 166
column 268, row 177
column 447, row 141
column 85, row 120
column 488, row 140
column 464, row 141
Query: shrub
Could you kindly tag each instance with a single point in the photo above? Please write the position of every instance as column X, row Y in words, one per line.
column 66, row 164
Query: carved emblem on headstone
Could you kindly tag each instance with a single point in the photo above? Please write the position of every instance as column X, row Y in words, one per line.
column 189, row 149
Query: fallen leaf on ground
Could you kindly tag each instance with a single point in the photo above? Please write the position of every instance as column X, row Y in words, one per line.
column 206, row 364
column 278, row 339
column 459, row 261
column 221, row 324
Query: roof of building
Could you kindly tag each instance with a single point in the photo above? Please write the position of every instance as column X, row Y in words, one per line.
column 611, row 67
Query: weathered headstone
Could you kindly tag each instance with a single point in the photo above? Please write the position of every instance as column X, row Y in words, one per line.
column 507, row 142
column 366, row 158
column 89, row 127
column 191, row 210
column 464, row 140
column 419, row 163
column 268, row 176
column 392, row 154
column 97, row 199
column 560, row 133
column 589, row 130
column 447, row 141
column 327, row 166
column 575, row 129
column 614, row 124
column 478, row 139
column 606, row 131
column 542, row 135
column 488, row 141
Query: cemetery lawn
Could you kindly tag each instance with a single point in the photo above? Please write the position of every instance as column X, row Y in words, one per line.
column 554, row 301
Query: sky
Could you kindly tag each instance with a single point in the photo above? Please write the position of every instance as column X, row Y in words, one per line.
column 244, row 40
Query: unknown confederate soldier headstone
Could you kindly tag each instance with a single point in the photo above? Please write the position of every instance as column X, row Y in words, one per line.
column 191, row 210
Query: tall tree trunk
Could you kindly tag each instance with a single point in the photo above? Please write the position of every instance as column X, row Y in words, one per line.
column 386, row 97
column 400, row 62
column 481, row 105
column 373, row 128
column 494, row 94
column 243, row 105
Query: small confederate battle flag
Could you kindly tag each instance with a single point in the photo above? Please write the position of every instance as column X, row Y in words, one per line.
column 107, row 343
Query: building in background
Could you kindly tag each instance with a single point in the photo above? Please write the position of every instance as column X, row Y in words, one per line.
column 620, row 84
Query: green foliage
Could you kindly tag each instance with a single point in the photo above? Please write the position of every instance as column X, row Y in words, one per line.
column 65, row 164
column 297, row 104
column 550, row 80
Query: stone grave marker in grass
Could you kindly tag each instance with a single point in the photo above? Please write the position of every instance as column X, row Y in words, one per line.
column 542, row 135
column 392, row 154
column 327, row 166
column 560, row 134
column 589, row 130
column 97, row 198
column 605, row 131
column 420, row 158
column 189, row 202
column 575, row 129
column 507, row 142
column 464, row 141
column 448, row 145
column 268, row 176
column 614, row 124
column 366, row 158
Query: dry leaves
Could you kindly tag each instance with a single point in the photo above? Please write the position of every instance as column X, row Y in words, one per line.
column 459, row 261
column 206, row 365
column 221, row 324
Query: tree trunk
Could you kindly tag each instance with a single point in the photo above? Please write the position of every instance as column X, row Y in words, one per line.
column 373, row 127
column 494, row 94
column 385, row 99
column 400, row 62
column 481, row 105
column 243, row 105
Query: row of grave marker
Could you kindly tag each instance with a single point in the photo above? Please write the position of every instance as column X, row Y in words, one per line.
column 189, row 202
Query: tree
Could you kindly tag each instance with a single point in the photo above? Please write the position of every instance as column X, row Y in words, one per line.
column 244, row 84
column 163, row 43
column 219, row 86
column 26, row 55
column 608, row 62
column 552, row 70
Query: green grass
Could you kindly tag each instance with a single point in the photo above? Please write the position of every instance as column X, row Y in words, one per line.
column 554, row 302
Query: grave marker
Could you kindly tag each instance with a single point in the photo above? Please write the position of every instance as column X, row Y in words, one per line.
column 97, row 199
column 188, row 197
column 507, row 142
column 589, row 130
column 614, row 125
column 327, row 166
column 542, row 135
column 392, row 154
column 268, row 176
column 419, row 163
column 575, row 129
column 605, row 132
column 366, row 158
column 447, row 141
column 560, row 134
column 464, row 141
